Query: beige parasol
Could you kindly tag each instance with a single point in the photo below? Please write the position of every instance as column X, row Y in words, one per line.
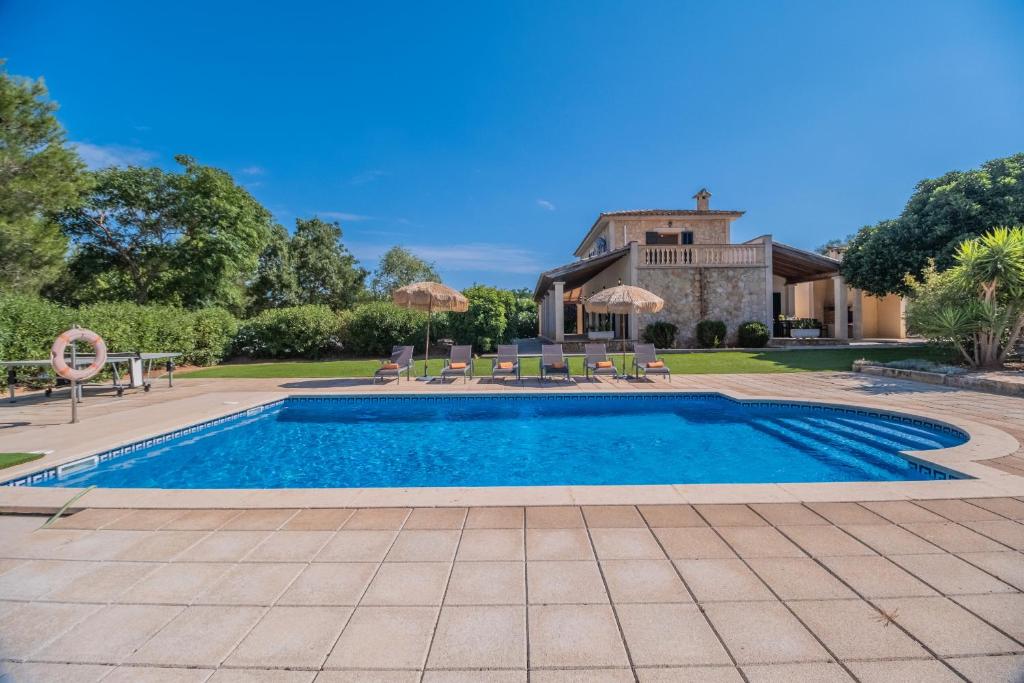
column 625, row 299
column 431, row 297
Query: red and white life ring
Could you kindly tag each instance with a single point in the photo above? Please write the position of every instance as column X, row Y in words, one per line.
column 61, row 367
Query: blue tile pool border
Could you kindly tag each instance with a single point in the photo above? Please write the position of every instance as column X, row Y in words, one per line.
column 928, row 469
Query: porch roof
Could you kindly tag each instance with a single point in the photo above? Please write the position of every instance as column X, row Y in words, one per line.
column 798, row 265
column 576, row 273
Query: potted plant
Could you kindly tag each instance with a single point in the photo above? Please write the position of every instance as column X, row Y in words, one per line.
column 805, row 327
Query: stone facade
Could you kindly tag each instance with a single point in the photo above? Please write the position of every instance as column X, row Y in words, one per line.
column 705, row 230
column 732, row 295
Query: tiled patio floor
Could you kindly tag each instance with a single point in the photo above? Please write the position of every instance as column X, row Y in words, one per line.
column 893, row 591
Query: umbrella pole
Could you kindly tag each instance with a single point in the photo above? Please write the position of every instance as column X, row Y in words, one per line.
column 624, row 371
column 426, row 349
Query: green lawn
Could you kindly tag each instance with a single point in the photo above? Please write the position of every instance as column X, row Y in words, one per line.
column 720, row 362
column 12, row 459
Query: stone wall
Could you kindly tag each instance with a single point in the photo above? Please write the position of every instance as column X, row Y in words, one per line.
column 705, row 230
column 732, row 295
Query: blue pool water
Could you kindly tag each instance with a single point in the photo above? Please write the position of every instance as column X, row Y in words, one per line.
column 525, row 441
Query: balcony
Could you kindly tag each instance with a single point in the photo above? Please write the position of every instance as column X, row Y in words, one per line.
column 701, row 256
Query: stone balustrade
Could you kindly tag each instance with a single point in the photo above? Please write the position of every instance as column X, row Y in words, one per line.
column 701, row 255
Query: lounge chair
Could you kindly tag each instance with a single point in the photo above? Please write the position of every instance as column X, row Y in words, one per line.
column 596, row 361
column 506, row 363
column 552, row 361
column 401, row 359
column 645, row 360
column 459, row 363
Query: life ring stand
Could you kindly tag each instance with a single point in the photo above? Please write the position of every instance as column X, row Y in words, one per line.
column 64, row 370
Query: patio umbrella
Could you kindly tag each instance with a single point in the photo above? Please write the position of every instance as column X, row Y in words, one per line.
column 430, row 297
column 625, row 299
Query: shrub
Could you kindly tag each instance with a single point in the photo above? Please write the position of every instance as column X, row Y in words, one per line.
column 373, row 328
column 28, row 326
column 660, row 333
column 485, row 324
column 213, row 332
column 306, row 331
column 752, row 334
column 710, row 334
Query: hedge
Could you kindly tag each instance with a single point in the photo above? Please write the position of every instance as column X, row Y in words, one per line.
column 711, row 334
column 661, row 333
column 752, row 334
column 373, row 328
column 297, row 331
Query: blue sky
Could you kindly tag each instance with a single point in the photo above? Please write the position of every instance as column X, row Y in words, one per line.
column 488, row 136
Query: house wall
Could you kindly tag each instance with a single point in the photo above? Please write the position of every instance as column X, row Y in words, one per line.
column 705, row 230
column 869, row 316
column 733, row 295
column 890, row 318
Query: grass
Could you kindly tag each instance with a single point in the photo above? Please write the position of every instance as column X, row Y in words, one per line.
column 12, row 459
column 720, row 362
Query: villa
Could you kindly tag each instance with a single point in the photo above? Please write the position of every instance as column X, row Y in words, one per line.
column 687, row 257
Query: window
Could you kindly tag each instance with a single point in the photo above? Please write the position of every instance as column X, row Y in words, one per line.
column 662, row 238
column 687, row 237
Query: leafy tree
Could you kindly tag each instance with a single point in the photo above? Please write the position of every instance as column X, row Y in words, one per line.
column 39, row 176
column 941, row 214
column 978, row 304
column 325, row 271
column 485, row 324
column 521, row 314
column 275, row 284
column 147, row 235
column 399, row 267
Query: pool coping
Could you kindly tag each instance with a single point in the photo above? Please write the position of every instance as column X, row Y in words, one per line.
column 985, row 442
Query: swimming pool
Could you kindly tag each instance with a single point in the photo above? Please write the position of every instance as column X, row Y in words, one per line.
column 520, row 440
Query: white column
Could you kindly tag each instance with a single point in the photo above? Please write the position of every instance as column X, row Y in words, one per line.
column 769, row 285
column 839, row 299
column 789, row 307
column 558, row 300
column 903, row 317
column 858, row 313
column 579, row 318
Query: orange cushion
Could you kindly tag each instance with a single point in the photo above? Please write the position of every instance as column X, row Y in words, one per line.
column 656, row 364
column 506, row 365
column 389, row 366
column 557, row 366
column 457, row 366
column 603, row 364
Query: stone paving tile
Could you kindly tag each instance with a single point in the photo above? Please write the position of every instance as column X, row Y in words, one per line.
column 408, row 583
column 144, row 520
column 1007, row 507
column 34, row 579
column 261, row 676
column 330, row 583
column 689, row 674
column 759, row 541
column 156, row 674
column 799, row 578
column 743, row 626
column 780, row 514
column 223, row 546
column 846, row 513
column 958, row 510
column 291, row 637
column 357, row 545
column 574, row 636
column 110, row 635
column 930, row 670
column 52, row 673
column 487, row 583
column 945, row 627
column 318, row 520
column 479, row 637
column 716, row 580
column 39, row 544
column 1008, row 668
column 365, row 676
column 1005, row 612
column 175, row 584
column 30, row 628
column 491, row 545
column 201, row 636
column 955, row 538
column 201, row 520
column 554, row 517
column 104, row 583
column 825, row 541
column 612, row 516
column 729, row 515
column 669, row 635
column 902, row 511
column 259, row 520
column 889, row 539
column 693, row 544
column 877, row 577
column 424, row 546
column 565, row 582
column 651, row 581
column 258, row 584
column 100, row 545
column 385, row 638
column 853, row 629
column 436, row 518
column 389, row 519
column 782, row 673
column 1004, row 531
column 558, row 544
column 950, row 575
column 160, row 546
column 1007, row 566
column 670, row 516
column 626, row 544
column 471, row 676
column 496, row 518
column 92, row 518
column 290, row 546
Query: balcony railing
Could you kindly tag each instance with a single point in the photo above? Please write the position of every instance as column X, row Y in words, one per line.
column 701, row 255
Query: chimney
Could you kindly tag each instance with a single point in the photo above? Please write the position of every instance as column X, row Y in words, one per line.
column 702, row 197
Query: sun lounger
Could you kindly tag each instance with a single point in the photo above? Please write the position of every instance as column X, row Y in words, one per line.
column 401, row 359
column 552, row 362
column 645, row 361
column 506, row 363
column 459, row 363
column 596, row 361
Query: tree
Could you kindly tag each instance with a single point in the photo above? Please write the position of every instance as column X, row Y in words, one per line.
column 144, row 234
column 39, row 176
column 485, row 323
column 941, row 214
column 275, row 285
column 325, row 271
column 399, row 267
column 978, row 304
column 833, row 245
